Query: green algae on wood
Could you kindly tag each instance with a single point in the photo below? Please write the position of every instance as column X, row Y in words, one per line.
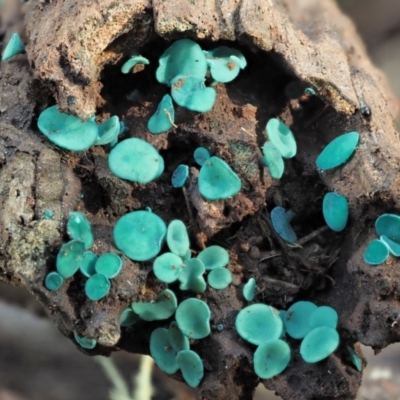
column 140, row 235
column 376, row 252
column 338, row 151
column 335, row 209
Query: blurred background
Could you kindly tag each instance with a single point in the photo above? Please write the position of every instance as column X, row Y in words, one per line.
column 38, row 363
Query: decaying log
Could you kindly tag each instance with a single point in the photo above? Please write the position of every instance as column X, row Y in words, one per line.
column 74, row 53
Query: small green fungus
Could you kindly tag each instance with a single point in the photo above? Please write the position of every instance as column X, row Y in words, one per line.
column 217, row 180
column 281, row 223
column 162, row 308
column 128, row 318
column 69, row 258
column 84, row 342
column 180, row 176
column 191, row 367
column 259, row 323
column 109, row 264
column 167, row 267
column 190, row 92
column 214, row 257
column 53, row 281
column 67, row 131
column 140, row 235
column 338, row 151
column 162, row 351
column 88, row 263
column 79, row 228
column 376, row 252
column 324, row 316
column 219, row 278
column 249, row 289
column 193, row 318
column 13, row 48
column 273, row 160
column 271, row 358
column 97, row 287
column 201, row 155
column 163, row 119
column 136, row 160
column 318, row 344
column 335, row 209
column 297, row 319
column 177, row 339
column 191, row 276
column 388, row 225
column 394, row 248
column 355, row 359
column 48, row 214
column 178, row 238
column 136, row 59
column 109, row 131
column 281, row 137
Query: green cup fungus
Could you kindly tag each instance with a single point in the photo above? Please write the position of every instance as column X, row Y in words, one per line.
column 318, row 344
column 225, row 63
column 281, row 137
column 394, row 248
column 67, row 131
column 217, row 181
column 140, row 235
column 281, row 223
column 180, row 176
column 297, row 319
column 53, row 281
column 109, row 265
column 162, row 352
column 338, row 151
column 273, row 160
column 193, row 318
column 190, row 92
column 167, row 267
column 271, row 358
column 136, row 59
column 259, row 323
column 14, row 47
column 48, row 214
column 136, row 160
column 191, row 367
column 177, row 339
column 191, row 276
column 376, row 252
column 69, row 258
column 355, row 359
column 97, row 287
column 335, row 209
column 178, row 238
column 84, row 342
column 324, row 316
column 79, row 228
column 162, row 308
column 128, row 318
column 183, row 57
column 219, row 278
column 109, row 130
column 388, row 225
column 163, row 119
column 214, row 257
column 249, row 289
column 88, row 263
column 201, row 155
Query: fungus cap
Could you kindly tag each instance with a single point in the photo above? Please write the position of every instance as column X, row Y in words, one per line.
column 109, row 264
column 249, row 289
column 14, row 47
column 201, row 155
column 191, row 276
column 338, row 151
column 324, row 316
column 273, row 160
column 178, row 238
column 140, row 235
column 108, row 131
column 191, row 367
column 388, row 225
column 84, row 342
column 167, row 267
column 355, row 359
column 281, row 137
column 219, row 278
column 97, row 287
column 376, row 252
column 318, row 344
column 271, row 358
column 88, row 263
column 162, row 351
column 128, row 317
column 177, row 339
column 193, row 318
column 180, row 176
column 259, row 323
column 79, row 228
column 162, row 308
column 67, row 131
column 335, row 209
column 69, row 258
column 135, row 160
column 129, row 64
column 281, row 223
column 297, row 319
column 394, row 248
column 163, row 119
column 53, row 281
column 214, row 257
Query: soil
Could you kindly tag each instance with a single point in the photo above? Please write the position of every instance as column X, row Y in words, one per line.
column 327, row 268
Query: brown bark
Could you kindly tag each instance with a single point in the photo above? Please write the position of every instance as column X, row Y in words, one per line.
column 72, row 50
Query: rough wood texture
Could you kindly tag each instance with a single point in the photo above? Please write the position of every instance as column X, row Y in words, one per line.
column 70, row 45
